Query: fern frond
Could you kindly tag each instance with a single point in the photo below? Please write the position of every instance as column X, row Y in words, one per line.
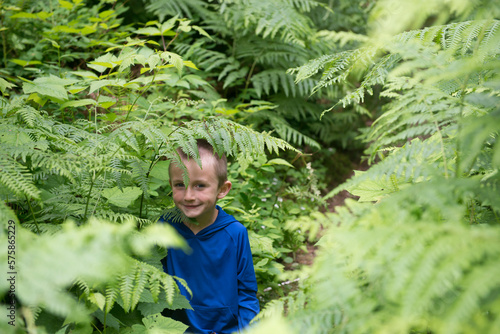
column 17, row 178
column 421, row 269
column 270, row 19
column 280, row 81
column 234, row 138
column 169, row 8
column 452, row 39
column 112, row 293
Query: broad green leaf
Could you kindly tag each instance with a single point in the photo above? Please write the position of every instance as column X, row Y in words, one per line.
column 168, row 25
column 106, row 101
column 153, row 60
column 110, row 117
column 190, row 64
column 95, row 85
column 160, row 170
column 370, row 190
column 76, row 89
column 85, row 74
column 66, row 29
column 103, row 62
column 202, row 31
column 184, row 26
column 66, row 4
column 53, row 80
column 174, row 59
column 25, row 63
column 149, row 307
column 161, row 324
column 279, row 161
column 37, row 98
column 78, row 103
column 5, row 85
column 148, row 79
column 106, row 14
column 122, row 198
column 24, row 15
column 40, row 15
column 51, row 90
column 87, row 30
column 149, row 31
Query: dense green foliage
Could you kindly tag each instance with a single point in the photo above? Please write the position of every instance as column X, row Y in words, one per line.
column 94, row 105
column 418, row 252
column 88, row 139
column 253, row 45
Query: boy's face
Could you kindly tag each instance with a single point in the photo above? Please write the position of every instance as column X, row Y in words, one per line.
column 197, row 200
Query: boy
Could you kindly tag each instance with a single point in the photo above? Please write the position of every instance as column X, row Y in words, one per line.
column 219, row 270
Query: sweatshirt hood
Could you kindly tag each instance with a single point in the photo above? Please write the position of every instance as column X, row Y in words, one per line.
column 223, row 220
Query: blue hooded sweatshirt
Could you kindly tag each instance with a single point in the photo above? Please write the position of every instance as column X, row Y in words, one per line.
column 220, row 273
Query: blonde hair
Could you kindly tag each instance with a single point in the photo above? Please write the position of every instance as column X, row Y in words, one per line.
column 219, row 161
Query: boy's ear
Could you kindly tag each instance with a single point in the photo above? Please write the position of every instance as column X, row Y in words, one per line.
column 224, row 189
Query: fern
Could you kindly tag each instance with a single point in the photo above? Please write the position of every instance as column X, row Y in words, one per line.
column 336, row 68
column 16, row 177
column 420, row 274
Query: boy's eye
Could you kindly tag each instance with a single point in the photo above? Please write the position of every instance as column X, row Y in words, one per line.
column 179, row 185
column 200, row 186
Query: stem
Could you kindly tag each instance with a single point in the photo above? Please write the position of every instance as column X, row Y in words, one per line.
column 282, row 181
column 171, row 41
column 104, row 321
column 471, row 212
column 137, row 98
column 97, row 329
column 33, row 214
column 442, row 150
column 88, row 196
column 151, row 165
column 247, row 82
column 4, row 45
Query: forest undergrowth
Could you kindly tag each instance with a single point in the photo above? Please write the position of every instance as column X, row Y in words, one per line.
column 363, row 145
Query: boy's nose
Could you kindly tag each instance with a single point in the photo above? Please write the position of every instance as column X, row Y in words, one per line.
column 189, row 194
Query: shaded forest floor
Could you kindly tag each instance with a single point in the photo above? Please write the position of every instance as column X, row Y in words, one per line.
column 302, row 257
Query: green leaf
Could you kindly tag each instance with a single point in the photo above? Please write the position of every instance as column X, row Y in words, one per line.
column 85, row 74
column 202, row 31
column 78, row 103
column 66, row 4
column 5, row 85
column 98, row 299
column 51, row 90
column 25, row 63
column 122, row 198
column 374, row 190
column 167, row 26
column 151, row 308
column 104, row 62
column 160, row 170
column 40, row 15
column 279, row 161
column 106, row 101
column 93, row 252
column 95, row 85
column 149, row 31
column 159, row 323
column 50, row 86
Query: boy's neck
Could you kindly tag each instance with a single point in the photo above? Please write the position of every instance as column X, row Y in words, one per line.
column 198, row 226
